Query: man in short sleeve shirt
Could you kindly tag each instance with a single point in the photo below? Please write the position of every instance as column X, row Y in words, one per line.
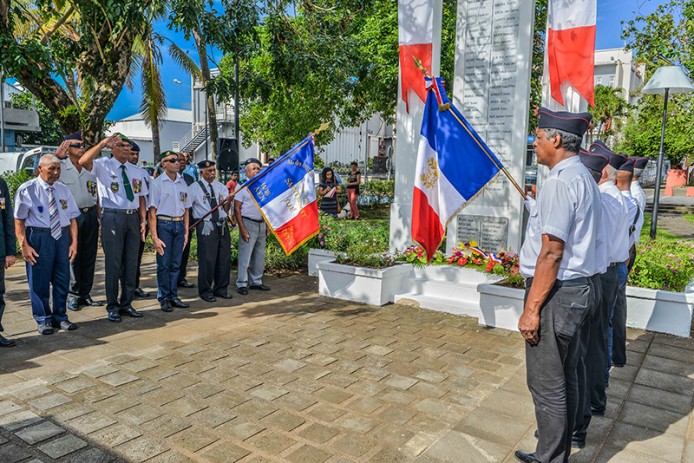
column 122, row 192
column 45, row 213
column 558, row 259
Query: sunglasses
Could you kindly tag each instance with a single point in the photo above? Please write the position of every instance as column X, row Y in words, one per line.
column 171, row 160
column 76, row 145
column 123, row 145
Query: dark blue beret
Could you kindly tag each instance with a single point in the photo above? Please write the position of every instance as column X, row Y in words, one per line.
column 616, row 160
column 134, row 146
column 576, row 123
column 74, row 136
column 640, row 163
column 253, row 161
column 205, row 164
column 596, row 162
column 628, row 166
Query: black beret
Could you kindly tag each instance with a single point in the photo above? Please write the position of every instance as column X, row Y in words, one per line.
column 134, row 146
column 640, row 163
column 74, row 136
column 576, row 123
column 166, row 154
column 628, row 166
column 205, row 164
column 253, row 161
column 596, row 162
column 616, row 160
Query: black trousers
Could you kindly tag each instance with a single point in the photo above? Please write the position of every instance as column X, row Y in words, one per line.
column 2, row 288
column 551, row 368
column 214, row 266
column 184, row 259
column 120, row 238
column 82, row 268
column 140, row 252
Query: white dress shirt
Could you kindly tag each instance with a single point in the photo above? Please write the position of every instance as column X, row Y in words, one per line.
column 568, row 208
column 633, row 208
column 248, row 206
column 82, row 184
column 638, row 194
column 169, row 197
column 200, row 200
column 110, row 179
column 615, row 226
column 31, row 204
column 148, row 181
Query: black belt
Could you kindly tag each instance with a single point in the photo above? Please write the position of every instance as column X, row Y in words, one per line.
column 614, row 264
column 252, row 220
column 580, row 281
column 168, row 218
column 44, row 229
column 120, row 211
column 87, row 209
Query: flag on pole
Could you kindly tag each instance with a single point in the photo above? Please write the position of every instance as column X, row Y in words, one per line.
column 285, row 194
column 416, row 35
column 571, row 47
column 454, row 164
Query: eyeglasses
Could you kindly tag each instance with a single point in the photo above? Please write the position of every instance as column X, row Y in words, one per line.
column 171, row 160
column 76, row 145
column 123, row 145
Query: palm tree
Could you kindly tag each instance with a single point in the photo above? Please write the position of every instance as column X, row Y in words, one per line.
column 610, row 105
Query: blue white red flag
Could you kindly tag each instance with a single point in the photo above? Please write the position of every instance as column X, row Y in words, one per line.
column 285, row 193
column 454, row 164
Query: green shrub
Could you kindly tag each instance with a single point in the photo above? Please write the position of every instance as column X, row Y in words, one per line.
column 377, row 192
column 15, row 179
column 664, row 264
column 340, row 235
column 364, row 255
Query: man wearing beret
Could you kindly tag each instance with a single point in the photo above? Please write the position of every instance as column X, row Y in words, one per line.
column 82, row 185
column 168, row 218
column 214, row 243
column 189, row 179
column 558, row 259
column 134, row 159
column 252, row 235
column 46, row 229
column 122, row 191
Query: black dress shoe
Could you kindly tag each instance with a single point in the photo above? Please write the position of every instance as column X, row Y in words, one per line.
column 91, row 302
column 4, row 342
column 243, row 291
column 525, row 457
column 131, row 312
column 114, row 317
column 73, row 304
column 597, row 411
column 185, row 284
column 261, row 287
column 140, row 293
column 166, row 306
column 1, row 328
column 179, row 304
column 577, row 443
column 224, row 295
column 208, row 298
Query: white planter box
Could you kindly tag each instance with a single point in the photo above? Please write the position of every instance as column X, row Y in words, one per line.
column 372, row 286
column 661, row 311
column 318, row 255
column 647, row 309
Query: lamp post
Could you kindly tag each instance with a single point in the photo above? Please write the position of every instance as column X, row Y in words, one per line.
column 665, row 80
column 2, row 113
column 192, row 90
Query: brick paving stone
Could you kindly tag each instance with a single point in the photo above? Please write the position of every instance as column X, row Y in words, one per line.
column 270, row 442
column 355, row 445
column 397, row 414
column 284, row 420
column 117, row 403
column 141, row 449
column 431, row 376
column 31, row 392
column 333, row 395
column 400, row 382
column 378, row 350
column 268, row 393
column 212, row 417
column 356, row 423
column 62, row 446
column 7, row 406
column 49, row 401
column 241, row 430
column 326, row 412
column 118, row 378
column 10, row 453
column 141, row 414
column 365, row 405
column 184, row 406
column 296, row 401
column 289, row 365
column 75, row 385
column 117, row 434
column 165, row 426
column 193, row 439
column 39, row 432
column 91, row 455
column 87, row 424
column 225, row 452
column 308, row 454
column 17, row 420
column 389, row 434
column 255, row 409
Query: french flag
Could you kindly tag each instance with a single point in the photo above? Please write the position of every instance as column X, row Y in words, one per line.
column 285, row 193
column 415, row 37
column 571, row 47
column 454, row 164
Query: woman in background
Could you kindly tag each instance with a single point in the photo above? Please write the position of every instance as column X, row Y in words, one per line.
column 353, row 181
column 329, row 188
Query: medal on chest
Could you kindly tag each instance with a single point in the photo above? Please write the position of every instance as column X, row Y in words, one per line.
column 2, row 203
column 115, row 187
column 63, row 203
column 91, row 187
column 183, row 196
column 137, row 185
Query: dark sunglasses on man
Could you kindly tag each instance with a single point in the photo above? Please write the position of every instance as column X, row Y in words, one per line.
column 171, row 160
column 76, row 145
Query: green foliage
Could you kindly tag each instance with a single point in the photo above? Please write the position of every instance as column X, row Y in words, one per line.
column 50, row 133
column 15, row 179
column 664, row 264
column 538, row 59
column 363, row 255
column 377, row 192
column 610, row 106
column 342, row 235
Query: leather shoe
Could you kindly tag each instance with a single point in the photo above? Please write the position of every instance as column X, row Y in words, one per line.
column 208, row 298
column 185, row 284
column 261, row 287
column 114, row 317
column 224, row 295
column 73, row 304
column 65, row 325
column 131, row 312
column 243, row 291
column 166, row 306
column 45, row 329
column 4, row 342
column 1, row 328
column 525, row 457
column 597, row 412
column 90, row 302
column 140, row 293
column 179, row 304
column 578, row 443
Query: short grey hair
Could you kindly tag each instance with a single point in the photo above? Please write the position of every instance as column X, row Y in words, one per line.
column 570, row 141
column 611, row 172
column 47, row 159
column 637, row 173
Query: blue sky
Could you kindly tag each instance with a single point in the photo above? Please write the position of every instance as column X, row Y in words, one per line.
column 611, row 13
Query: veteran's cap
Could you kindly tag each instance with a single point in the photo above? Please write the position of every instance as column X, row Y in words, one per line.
column 593, row 161
column 576, row 123
column 205, row 164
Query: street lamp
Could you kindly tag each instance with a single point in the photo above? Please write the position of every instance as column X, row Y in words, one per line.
column 665, row 80
column 176, row 81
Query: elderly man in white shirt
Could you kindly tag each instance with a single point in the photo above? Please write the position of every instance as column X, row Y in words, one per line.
column 45, row 213
column 558, row 259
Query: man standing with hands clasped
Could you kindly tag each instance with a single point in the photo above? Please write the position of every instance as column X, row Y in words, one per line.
column 558, row 258
column 45, row 213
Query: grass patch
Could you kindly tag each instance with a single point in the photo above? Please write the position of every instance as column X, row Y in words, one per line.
column 661, row 233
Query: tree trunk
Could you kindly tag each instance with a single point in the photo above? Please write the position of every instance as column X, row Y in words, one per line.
column 156, row 149
column 211, row 107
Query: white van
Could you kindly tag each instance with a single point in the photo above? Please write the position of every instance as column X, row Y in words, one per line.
column 16, row 160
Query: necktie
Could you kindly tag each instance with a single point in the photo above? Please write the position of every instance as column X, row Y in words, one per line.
column 56, row 232
column 213, row 204
column 126, row 184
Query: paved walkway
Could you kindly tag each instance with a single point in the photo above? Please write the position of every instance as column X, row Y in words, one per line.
column 290, row 376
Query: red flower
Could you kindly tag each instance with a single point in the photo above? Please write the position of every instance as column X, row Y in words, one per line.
column 462, row 261
column 490, row 266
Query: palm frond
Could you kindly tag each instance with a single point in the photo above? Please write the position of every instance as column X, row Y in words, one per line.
column 153, row 104
column 182, row 58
